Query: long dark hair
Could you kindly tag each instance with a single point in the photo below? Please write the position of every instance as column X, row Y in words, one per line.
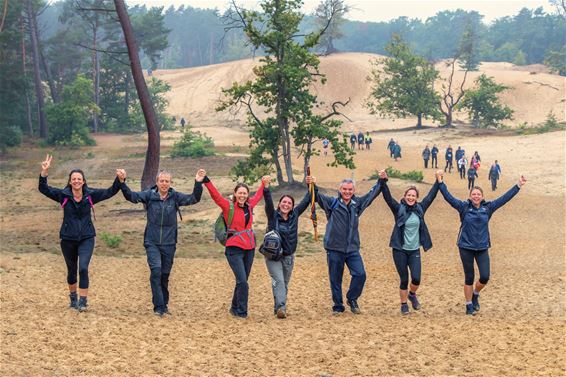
column 237, row 187
column 76, row 171
column 286, row 196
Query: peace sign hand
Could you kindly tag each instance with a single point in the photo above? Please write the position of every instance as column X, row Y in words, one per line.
column 45, row 165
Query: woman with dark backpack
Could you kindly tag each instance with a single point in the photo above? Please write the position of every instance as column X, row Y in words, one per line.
column 240, row 244
column 473, row 238
column 285, row 221
column 77, row 231
column 409, row 234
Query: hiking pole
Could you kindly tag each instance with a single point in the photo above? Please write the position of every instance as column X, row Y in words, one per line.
column 313, row 205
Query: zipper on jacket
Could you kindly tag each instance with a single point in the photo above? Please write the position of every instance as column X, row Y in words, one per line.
column 161, row 226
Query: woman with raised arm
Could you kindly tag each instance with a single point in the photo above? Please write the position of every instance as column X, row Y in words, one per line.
column 77, row 231
column 284, row 220
column 409, row 234
column 473, row 238
column 240, row 245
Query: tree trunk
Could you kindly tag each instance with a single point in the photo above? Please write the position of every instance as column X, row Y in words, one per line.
column 420, row 120
column 152, row 155
column 278, row 170
column 49, row 77
column 448, row 117
column 24, row 71
column 37, row 77
column 127, row 95
column 95, row 74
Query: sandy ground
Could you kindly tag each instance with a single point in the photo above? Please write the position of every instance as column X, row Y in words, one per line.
column 519, row 331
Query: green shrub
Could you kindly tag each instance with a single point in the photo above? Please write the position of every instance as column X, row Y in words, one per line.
column 549, row 125
column 193, row 144
column 11, row 137
column 413, row 175
column 112, row 241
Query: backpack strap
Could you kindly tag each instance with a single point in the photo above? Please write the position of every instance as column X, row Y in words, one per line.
column 88, row 197
column 64, row 202
column 230, row 215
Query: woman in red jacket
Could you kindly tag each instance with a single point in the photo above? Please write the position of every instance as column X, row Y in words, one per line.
column 240, row 245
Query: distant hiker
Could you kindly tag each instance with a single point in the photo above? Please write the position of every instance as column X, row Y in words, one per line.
column 240, row 245
column 493, row 176
column 426, row 156
column 325, row 143
column 77, row 230
column 367, row 140
column 150, row 72
column 477, row 156
column 409, row 234
column 353, row 140
column 162, row 204
column 285, row 221
column 390, row 146
column 342, row 241
column 360, row 140
column 396, row 151
column 459, row 153
column 434, row 155
column 472, row 175
column 462, row 164
column 449, row 158
column 183, row 122
column 473, row 237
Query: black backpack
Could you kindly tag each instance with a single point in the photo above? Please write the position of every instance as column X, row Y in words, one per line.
column 271, row 247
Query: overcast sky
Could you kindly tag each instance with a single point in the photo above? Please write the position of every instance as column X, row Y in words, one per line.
column 384, row 10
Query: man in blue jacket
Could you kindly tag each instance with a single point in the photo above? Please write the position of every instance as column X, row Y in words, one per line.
column 162, row 203
column 342, row 241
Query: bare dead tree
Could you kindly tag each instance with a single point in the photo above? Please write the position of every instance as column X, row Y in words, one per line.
column 151, row 166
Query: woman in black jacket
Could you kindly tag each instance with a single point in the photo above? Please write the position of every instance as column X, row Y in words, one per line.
column 284, row 220
column 77, row 231
column 409, row 234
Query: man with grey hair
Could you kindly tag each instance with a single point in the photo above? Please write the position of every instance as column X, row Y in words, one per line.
column 162, row 203
column 342, row 241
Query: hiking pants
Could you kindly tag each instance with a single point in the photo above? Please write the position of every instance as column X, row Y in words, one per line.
column 406, row 260
column 426, row 163
column 482, row 259
column 448, row 166
column 280, row 272
column 493, row 184
column 336, row 261
column 77, row 254
column 160, row 261
column 471, row 182
column 240, row 262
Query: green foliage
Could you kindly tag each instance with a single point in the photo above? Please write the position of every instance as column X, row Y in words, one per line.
column 193, row 144
column 556, row 61
column 468, row 51
column 550, row 124
column 331, row 13
column 483, row 105
column 11, row 137
column 111, row 240
column 157, row 89
column 68, row 119
column 413, row 175
column 404, row 86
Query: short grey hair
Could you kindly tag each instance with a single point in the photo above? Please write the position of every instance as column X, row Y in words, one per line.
column 163, row 172
column 346, row 181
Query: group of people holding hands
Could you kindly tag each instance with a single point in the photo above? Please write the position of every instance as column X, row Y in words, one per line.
column 341, row 239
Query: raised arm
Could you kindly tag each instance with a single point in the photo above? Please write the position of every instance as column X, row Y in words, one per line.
column 269, row 208
column 306, row 201
column 368, row 198
column 455, row 203
column 265, row 181
column 51, row 192
column 188, row 199
column 98, row 195
column 427, row 201
column 502, row 200
column 220, row 201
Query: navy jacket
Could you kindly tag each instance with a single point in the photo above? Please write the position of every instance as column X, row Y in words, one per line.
column 77, row 223
column 343, row 220
column 402, row 211
column 448, row 155
column 434, row 151
column 474, row 230
column 287, row 229
column 161, row 226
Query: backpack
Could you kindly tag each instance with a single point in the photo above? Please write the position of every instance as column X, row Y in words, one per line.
column 221, row 229
column 66, row 200
column 271, row 247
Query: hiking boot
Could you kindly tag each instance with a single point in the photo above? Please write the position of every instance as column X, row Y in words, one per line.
column 476, row 302
column 404, row 308
column 470, row 309
column 82, row 305
column 74, row 300
column 354, row 307
column 281, row 314
column 414, row 301
column 158, row 313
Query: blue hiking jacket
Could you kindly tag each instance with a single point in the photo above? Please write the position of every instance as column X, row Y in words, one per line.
column 402, row 211
column 77, row 222
column 161, row 226
column 343, row 220
column 474, row 228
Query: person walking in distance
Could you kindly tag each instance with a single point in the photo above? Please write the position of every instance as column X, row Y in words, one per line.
column 342, row 241
column 449, row 158
column 473, row 237
column 360, row 140
column 434, row 156
column 426, row 156
column 325, row 143
column 493, row 176
column 472, row 175
column 77, row 231
column 391, row 146
column 462, row 163
column 353, row 140
column 162, row 204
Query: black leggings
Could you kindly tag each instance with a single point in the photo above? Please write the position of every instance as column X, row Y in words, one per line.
column 406, row 260
column 77, row 254
column 482, row 259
